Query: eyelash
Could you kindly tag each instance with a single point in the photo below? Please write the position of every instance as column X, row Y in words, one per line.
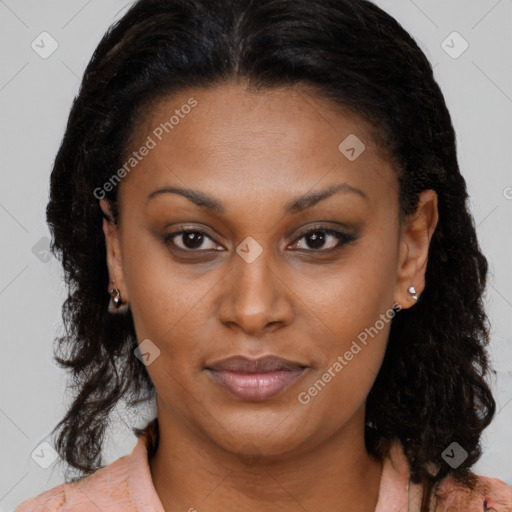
column 343, row 239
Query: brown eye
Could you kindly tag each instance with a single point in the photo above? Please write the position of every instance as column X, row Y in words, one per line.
column 322, row 239
column 191, row 240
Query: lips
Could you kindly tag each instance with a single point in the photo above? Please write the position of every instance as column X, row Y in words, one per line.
column 255, row 379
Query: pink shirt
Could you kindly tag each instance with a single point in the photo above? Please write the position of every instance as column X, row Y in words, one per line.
column 126, row 486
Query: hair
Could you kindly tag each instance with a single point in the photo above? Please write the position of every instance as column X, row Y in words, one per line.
column 431, row 388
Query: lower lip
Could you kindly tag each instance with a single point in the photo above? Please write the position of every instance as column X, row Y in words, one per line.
column 255, row 386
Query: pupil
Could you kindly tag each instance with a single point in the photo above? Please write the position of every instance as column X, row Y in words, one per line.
column 315, row 240
column 193, row 240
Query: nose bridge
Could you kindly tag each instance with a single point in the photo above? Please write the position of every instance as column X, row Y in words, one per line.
column 255, row 298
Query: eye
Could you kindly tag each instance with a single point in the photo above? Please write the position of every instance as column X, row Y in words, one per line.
column 317, row 239
column 191, row 240
column 324, row 239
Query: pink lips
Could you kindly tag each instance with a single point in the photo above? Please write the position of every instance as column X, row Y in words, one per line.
column 255, row 379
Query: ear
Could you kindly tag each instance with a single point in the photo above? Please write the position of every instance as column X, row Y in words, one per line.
column 416, row 235
column 113, row 253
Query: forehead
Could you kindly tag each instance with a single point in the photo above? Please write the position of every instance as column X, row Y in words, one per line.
column 232, row 139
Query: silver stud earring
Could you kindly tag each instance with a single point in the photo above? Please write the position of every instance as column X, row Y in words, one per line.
column 412, row 292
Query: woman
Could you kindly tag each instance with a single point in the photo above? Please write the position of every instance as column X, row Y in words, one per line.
column 262, row 221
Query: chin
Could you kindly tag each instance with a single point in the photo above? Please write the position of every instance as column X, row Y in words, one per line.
column 258, row 434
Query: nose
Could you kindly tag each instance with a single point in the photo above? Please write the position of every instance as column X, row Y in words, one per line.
column 256, row 297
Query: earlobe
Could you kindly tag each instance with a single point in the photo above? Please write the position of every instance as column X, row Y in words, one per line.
column 415, row 241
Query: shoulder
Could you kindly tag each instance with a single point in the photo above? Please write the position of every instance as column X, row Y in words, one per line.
column 51, row 500
column 125, row 484
column 106, row 486
column 488, row 495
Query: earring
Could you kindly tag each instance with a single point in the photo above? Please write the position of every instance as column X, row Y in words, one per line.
column 116, row 303
column 412, row 292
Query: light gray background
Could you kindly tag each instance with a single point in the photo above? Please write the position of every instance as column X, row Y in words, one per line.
column 35, row 97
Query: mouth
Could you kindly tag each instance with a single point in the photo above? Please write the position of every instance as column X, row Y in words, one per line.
column 255, row 379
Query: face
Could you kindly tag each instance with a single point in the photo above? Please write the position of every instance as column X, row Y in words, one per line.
column 262, row 260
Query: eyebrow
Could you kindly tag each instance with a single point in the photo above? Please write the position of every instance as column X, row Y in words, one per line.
column 295, row 205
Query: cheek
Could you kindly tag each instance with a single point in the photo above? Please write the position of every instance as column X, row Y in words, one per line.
column 338, row 391
column 352, row 349
column 168, row 302
column 350, row 314
column 350, row 295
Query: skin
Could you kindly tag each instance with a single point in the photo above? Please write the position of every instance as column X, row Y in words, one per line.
column 254, row 152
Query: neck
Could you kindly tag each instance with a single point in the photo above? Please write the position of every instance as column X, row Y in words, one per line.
column 189, row 473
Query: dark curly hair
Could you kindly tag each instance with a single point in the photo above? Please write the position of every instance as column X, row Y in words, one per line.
column 430, row 390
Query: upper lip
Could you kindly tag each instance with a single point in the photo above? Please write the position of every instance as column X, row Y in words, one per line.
column 242, row 364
